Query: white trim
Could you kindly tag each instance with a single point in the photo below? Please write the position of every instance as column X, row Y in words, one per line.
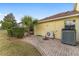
column 57, row 18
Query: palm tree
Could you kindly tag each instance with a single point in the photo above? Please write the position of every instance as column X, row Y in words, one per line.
column 29, row 22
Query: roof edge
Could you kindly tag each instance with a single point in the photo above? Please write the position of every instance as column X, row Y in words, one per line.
column 40, row 21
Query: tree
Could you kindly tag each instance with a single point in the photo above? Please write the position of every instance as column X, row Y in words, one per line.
column 29, row 22
column 0, row 24
column 34, row 23
column 8, row 21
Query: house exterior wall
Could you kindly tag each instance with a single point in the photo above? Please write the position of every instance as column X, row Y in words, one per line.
column 78, row 7
column 55, row 26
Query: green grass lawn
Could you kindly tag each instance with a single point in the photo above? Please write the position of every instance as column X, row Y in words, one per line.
column 15, row 47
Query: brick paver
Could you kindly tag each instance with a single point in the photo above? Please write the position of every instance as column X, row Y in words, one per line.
column 52, row 47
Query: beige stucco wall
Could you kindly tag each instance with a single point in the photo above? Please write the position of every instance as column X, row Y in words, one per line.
column 77, row 7
column 55, row 26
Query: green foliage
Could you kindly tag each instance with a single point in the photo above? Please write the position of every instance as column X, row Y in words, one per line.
column 7, row 25
column 0, row 22
column 10, row 32
column 16, row 32
column 29, row 22
column 35, row 22
column 8, row 21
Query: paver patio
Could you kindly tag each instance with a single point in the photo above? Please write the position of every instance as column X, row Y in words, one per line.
column 52, row 47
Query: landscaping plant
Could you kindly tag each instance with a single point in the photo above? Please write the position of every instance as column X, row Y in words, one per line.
column 29, row 22
column 16, row 32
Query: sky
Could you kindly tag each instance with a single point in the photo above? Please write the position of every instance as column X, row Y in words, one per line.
column 36, row 10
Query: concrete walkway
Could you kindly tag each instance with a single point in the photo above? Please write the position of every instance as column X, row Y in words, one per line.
column 52, row 47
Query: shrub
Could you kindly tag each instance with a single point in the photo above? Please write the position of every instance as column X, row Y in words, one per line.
column 16, row 32
column 10, row 32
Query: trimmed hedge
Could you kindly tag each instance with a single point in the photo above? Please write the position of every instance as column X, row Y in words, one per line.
column 16, row 32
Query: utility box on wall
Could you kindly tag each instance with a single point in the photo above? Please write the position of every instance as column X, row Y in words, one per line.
column 69, row 37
